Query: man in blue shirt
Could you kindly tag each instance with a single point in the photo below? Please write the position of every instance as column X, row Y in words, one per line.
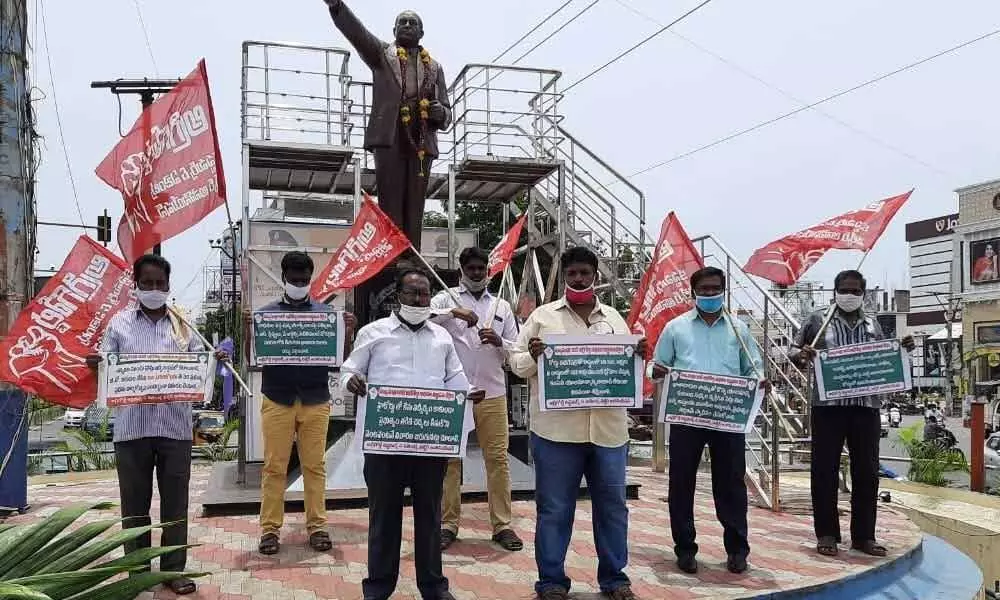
column 705, row 339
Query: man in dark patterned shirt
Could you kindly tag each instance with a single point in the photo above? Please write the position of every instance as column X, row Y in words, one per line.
column 854, row 420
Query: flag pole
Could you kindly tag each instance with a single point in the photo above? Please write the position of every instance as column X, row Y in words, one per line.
column 207, row 344
column 436, row 277
column 832, row 310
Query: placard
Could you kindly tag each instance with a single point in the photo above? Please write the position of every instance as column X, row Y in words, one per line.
column 589, row 371
column 866, row 369
column 412, row 421
column 298, row 338
column 127, row 379
column 710, row 401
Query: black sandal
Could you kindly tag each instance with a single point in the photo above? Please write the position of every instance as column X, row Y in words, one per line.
column 320, row 541
column 827, row 546
column 182, row 586
column 508, row 540
column 871, row 548
column 269, row 544
column 448, row 538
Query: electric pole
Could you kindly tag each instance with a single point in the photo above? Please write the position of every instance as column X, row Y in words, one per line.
column 146, row 89
column 17, row 239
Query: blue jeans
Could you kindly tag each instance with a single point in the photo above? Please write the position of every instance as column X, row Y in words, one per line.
column 559, row 469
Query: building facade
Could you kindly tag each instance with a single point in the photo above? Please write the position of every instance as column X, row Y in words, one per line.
column 977, row 277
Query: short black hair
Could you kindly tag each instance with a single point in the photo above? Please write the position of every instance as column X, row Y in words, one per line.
column 849, row 274
column 704, row 272
column 296, row 261
column 406, row 273
column 150, row 259
column 473, row 253
column 578, row 255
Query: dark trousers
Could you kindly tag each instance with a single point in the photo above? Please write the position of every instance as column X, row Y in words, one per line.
column 401, row 189
column 387, row 477
column 831, row 427
column 728, row 487
column 559, row 469
column 171, row 460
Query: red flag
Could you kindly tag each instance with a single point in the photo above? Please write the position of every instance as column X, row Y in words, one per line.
column 500, row 255
column 784, row 261
column 664, row 291
column 168, row 168
column 374, row 242
column 46, row 349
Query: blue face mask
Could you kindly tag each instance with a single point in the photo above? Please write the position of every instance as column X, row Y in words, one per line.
column 709, row 304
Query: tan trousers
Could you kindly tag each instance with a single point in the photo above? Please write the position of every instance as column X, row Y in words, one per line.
column 280, row 426
column 491, row 430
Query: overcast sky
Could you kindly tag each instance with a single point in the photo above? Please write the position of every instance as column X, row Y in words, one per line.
column 666, row 98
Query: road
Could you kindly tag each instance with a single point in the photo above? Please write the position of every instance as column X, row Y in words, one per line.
column 889, row 446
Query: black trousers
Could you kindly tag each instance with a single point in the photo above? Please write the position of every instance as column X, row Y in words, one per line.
column 387, row 477
column 402, row 191
column 171, row 460
column 728, row 487
column 831, row 427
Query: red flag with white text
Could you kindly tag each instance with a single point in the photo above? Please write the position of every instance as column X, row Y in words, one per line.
column 501, row 255
column 784, row 261
column 168, row 168
column 664, row 291
column 373, row 243
column 46, row 349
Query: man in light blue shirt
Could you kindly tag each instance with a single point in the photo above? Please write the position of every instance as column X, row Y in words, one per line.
column 705, row 339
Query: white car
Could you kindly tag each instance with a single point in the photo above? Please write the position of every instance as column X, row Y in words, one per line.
column 73, row 417
column 991, row 454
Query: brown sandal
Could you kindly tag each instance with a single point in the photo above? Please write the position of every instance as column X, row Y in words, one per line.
column 182, row 586
column 871, row 548
column 827, row 546
column 320, row 541
column 269, row 544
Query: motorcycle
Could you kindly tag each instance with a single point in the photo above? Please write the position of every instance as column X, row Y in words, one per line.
column 895, row 418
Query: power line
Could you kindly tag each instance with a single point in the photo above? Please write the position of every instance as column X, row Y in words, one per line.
column 839, row 94
column 870, row 137
column 55, row 102
column 636, row 46
column 557, row 31
column 533, row 30
column 145, row 34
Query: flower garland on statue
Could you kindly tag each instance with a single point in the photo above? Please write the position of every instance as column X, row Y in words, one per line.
column 424, row 90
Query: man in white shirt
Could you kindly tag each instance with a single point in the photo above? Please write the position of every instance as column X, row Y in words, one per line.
column 482, row 352
column 568, row 445
column 405, row 350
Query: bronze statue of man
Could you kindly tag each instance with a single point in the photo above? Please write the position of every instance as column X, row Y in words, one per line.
column 409, row 106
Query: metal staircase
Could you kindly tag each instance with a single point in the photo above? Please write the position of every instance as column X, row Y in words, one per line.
column 304, row 118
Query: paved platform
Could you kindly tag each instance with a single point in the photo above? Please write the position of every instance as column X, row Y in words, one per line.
column 782, row 558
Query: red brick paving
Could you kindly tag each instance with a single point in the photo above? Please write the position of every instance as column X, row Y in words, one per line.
column 782, row 555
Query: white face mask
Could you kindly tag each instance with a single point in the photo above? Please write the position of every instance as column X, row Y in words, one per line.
column 848, row 302
column 295, row 292
column 152, row 299
column 414, row 315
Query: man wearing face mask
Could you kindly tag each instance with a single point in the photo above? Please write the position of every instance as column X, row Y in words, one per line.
column 153, row 437
column 705, row 339
column 854, row 420
column 405, row 349
column 295, row 408
column 482, row 352
column 568, row 445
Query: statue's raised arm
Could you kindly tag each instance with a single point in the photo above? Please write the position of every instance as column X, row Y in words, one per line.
column 365, row 42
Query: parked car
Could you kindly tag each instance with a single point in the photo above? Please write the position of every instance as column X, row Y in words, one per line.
column 93, row 421
column 992, row 451
column 73, row 417
column 208, row 426
column 885, row 424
